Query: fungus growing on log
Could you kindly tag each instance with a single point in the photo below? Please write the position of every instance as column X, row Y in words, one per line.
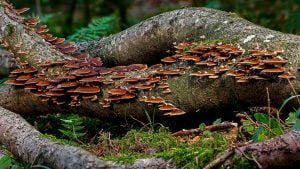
column 82, row 77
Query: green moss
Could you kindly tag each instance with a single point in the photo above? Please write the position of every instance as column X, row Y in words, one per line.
column 145, row 144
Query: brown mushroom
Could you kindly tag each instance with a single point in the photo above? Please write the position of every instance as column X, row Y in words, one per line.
column 14, row 82
column 24, row 77
column 67, row 85
column 273, row 70
column 287, row 75
column 168, row 60
column 117, row 91
column 175, row 112
column 87, row 89
column 167, row 107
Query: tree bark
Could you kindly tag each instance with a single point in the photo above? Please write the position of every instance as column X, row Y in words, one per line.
column 147, row 42
column 28, row 144
column 280, row 152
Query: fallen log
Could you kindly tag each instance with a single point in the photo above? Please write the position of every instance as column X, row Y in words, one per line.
column 279, row 152
column 187, row 93
column 26, row 142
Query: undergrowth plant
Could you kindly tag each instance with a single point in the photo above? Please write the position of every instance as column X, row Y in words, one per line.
column 98, row 28
column 7, row 162
column 72, row 127
column 262, row 126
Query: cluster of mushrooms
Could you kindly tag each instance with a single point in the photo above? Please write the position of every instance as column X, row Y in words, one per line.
column 217, row 59
column 69, row 82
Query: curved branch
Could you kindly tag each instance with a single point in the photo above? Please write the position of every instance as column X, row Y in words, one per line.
column 27, row 143
column 154, row 36
column 148, row 41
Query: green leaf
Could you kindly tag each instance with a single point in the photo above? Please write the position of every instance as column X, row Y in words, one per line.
column 296, row 126
column 292, row 119
column 5, row 162
column 262, row 118
column 248, row 126
column 276, row 126
column 259, row 135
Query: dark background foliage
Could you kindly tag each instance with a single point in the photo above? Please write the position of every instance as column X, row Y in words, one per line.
column 64, row 17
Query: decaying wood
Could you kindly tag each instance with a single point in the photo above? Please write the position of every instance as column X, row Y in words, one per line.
column 188, row 93
column 218, row 127
column 279, row 152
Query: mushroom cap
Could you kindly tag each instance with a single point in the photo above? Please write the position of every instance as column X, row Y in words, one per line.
column 167, row 91
column 168, row 59
column 67, row 85
column 167, row 107
column 81, row 71
column 43, row 83
column 182, row 45
column 144, row 87
column 68, row 77
column 190, row 58
column 117, row 91
column 287, row 75
column 55, row 93
column 155, row 100
column 140, row 67
column 14, row 82
column 118, row 76
column 72, row 65
column 34, row 80
column 175, row 112
column 92, row 79
column 163, row 85
column 275, row 61
column 30, row 87
column 273, row 70
column 236, row 73
column 250, row 62
column 17, row 71
column 87, row 89
column 128, row 96
column 24, row 77
column 30, row 70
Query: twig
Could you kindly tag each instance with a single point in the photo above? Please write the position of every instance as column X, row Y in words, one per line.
column 257, row 163
column 139, row 121
column 220, row 160
column 222, row 126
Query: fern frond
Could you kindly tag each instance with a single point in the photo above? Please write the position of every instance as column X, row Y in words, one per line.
column 98, row 28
